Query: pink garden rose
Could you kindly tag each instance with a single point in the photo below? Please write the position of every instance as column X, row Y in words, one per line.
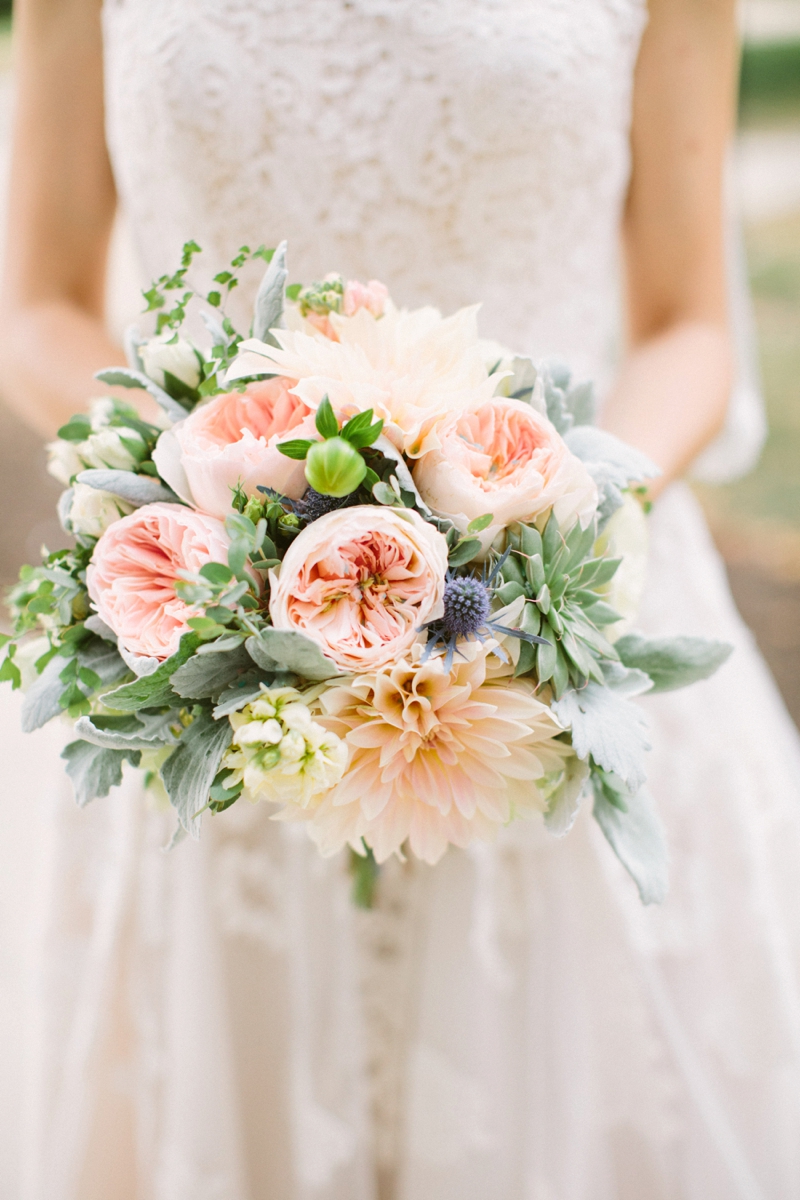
column 131, row 578
column 232, row 440
column 360, row 582
column 504, row 458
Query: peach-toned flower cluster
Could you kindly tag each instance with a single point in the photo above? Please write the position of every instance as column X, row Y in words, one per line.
column 436, row 756
column 364, row 567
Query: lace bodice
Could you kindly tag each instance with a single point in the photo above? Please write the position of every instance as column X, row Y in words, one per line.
column 456, row 149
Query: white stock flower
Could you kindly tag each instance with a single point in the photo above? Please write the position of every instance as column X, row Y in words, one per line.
column 280, row 752
column 93, row 510
column 165, row 352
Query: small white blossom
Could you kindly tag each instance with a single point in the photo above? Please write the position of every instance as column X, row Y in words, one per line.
column 280, row 753
column 63, row 461
column 93, row 510
column 168, row 353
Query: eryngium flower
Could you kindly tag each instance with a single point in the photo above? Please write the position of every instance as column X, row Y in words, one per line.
column 280, row 753
column 435, row 756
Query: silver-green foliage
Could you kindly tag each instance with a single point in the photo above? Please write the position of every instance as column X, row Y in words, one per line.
column 559, row 577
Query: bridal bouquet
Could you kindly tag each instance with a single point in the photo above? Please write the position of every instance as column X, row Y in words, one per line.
column 367, row 568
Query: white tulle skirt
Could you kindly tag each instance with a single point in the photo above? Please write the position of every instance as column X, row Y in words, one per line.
column 218, row 1023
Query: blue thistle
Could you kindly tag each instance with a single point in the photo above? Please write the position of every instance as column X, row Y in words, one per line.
column 467, row 604
column 467, row 614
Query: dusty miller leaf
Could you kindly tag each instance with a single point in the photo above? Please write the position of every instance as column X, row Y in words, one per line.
column 606, row 725
column 95, row 770
column 206, row 675
column 268, row 312
column 155, row 690
column 134, row 489
column 285, row 649
column 143, row 731
column 189, row 771
column 673, row 662
column 124, row 377
column 637, row 839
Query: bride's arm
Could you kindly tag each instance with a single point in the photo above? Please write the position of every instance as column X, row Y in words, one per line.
column 672, row 392
column 61, row 209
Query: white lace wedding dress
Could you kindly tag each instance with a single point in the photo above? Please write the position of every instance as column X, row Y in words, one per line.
column 218, row 1023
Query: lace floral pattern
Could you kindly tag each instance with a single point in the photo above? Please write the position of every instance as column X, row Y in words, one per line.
column 455, row 150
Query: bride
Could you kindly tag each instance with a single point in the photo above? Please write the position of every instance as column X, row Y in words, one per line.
column 219, row 1023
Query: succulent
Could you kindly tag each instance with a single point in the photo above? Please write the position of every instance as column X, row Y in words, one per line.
column 559, row 578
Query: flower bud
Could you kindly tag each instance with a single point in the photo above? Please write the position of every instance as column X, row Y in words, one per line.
column 176, row 355
column 93, row 510
column 113, row 448
column 63, row 461
column 334, row 467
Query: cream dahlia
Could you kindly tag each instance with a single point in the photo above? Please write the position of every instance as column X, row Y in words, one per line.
column 413, row 368
column 435, row 757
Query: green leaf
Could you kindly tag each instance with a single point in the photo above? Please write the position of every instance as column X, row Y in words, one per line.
column 293, row 291
column 207, row 675
column 77, row 429
column 155, row 690
column 508, row 592
column 463, row 551
column 95, row 770
column 291, row 651
column 192, row 767
column 297, row 448
column 214, row 299
column 206, row 628
column 530, row 540
column 673, row 662
column 637, row 839
column 545, row 660
column 221, row 795
column 10, row 673
column 216, row 572
column 596, row 572
column 480, row 523
column 326, row 423
column 384, row 494
column 360, row 431
column 527, row 659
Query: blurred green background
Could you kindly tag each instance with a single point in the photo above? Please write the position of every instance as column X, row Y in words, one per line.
column 755, row 521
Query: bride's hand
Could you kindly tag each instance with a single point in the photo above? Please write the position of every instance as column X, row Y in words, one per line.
column 61, row 209
column 672, row 392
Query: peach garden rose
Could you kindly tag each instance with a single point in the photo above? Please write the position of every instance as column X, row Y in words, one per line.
column 360, row 582
column 131, row 578
column 232, row 440
column 504, row 458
